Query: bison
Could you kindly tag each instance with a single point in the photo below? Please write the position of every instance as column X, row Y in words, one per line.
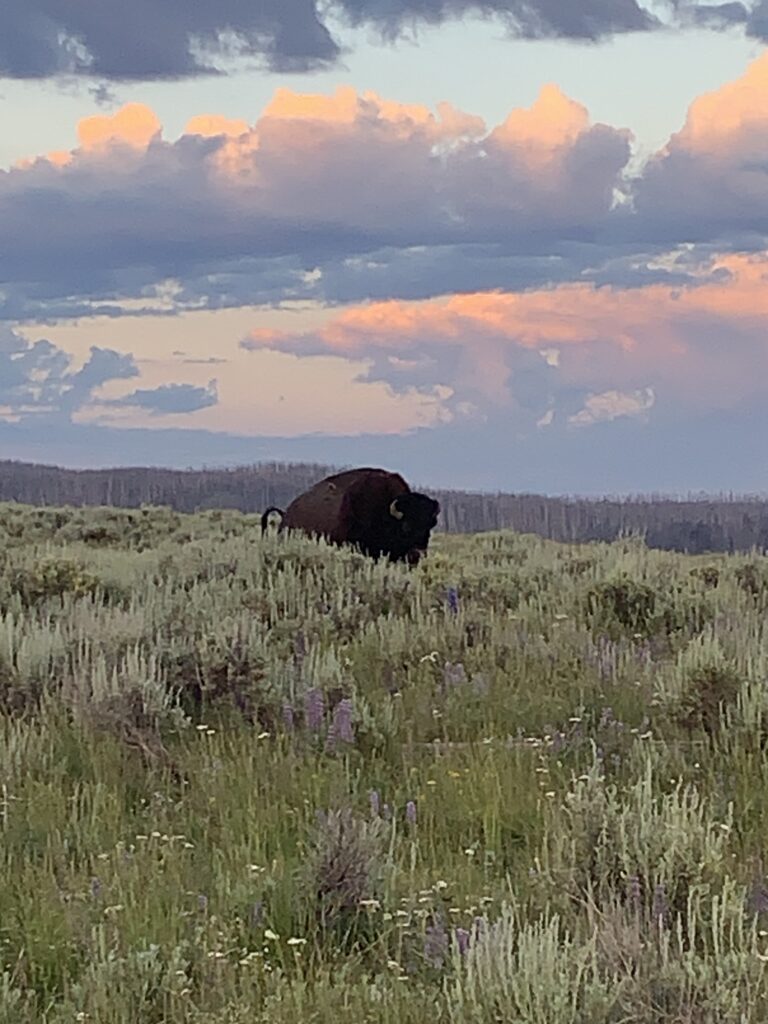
column 372, row 509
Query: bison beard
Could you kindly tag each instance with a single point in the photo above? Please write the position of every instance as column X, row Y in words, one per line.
column 372, row 509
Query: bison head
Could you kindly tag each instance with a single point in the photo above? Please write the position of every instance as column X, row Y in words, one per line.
column 412, row 517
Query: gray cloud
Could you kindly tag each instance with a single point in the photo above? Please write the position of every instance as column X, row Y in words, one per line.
column 37, row 381
column 720, row 16
column 411, row 272
column 757, row 23
column 174, row 39
column 170, row 398
column 158, row 39
column 416, row 272
column 527, row 19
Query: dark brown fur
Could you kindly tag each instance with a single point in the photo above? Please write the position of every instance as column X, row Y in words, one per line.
column 354, row 507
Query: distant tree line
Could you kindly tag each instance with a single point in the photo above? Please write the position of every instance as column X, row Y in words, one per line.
column 247, row 488
column 693, row 524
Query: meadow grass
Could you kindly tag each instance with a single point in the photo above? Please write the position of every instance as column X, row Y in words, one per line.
column 266, row 780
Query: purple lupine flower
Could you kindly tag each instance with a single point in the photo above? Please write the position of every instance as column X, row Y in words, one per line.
column 452, row 596
column 410, row 812
column 202, row 902
column 435, row 944
column 606, row 718
column 375, row 801
column 606, row 657
column 288, row 717
column 340, row 729
column 635, row 892
column 342, row 720
column 644, row 652
column 558, row 741
column 462, row 940
column 757, row 900
column 453, row 675
column 257, row 914
column 314, row 709
column 299, row 647
column 95, row 888
column 660, row 903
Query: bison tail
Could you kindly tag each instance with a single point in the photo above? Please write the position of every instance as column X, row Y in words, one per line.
column 266, row 514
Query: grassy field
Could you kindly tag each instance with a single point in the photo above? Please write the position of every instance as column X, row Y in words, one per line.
column 249, row 781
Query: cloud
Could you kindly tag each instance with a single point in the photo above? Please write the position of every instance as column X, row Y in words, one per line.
column 171, row 398
column 757, row 21
column 253, row 394
column 527, row 19
column 720, row 16
column 173, row 39
column 43, row 384
column 176, row 39
column 316, row 183
column 710, row 182
column 574, row 353
column 342, row 197
column 511, row 299
column 39, row 382
column 560, row 358
column 609, row 405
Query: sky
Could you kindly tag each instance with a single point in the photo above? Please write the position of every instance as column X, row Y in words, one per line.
column 510, row 245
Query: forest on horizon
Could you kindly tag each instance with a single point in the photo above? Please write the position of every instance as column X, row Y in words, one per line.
column 693, row 524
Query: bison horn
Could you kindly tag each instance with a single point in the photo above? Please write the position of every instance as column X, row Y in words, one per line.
column 395, row 511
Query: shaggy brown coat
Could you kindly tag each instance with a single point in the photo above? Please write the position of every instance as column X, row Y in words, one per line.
column 373, row 509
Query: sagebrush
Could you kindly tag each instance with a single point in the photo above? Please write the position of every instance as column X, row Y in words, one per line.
column 249, row 779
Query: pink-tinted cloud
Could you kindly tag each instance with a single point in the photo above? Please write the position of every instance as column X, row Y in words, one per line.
column 704, row 347
column 727, row 118
column 713, row 174
column 317, row 181
column 181, row 364
column 214, row 124
column 133, row 127
column 377, row 165
column 362, row 163
column 349, row 195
